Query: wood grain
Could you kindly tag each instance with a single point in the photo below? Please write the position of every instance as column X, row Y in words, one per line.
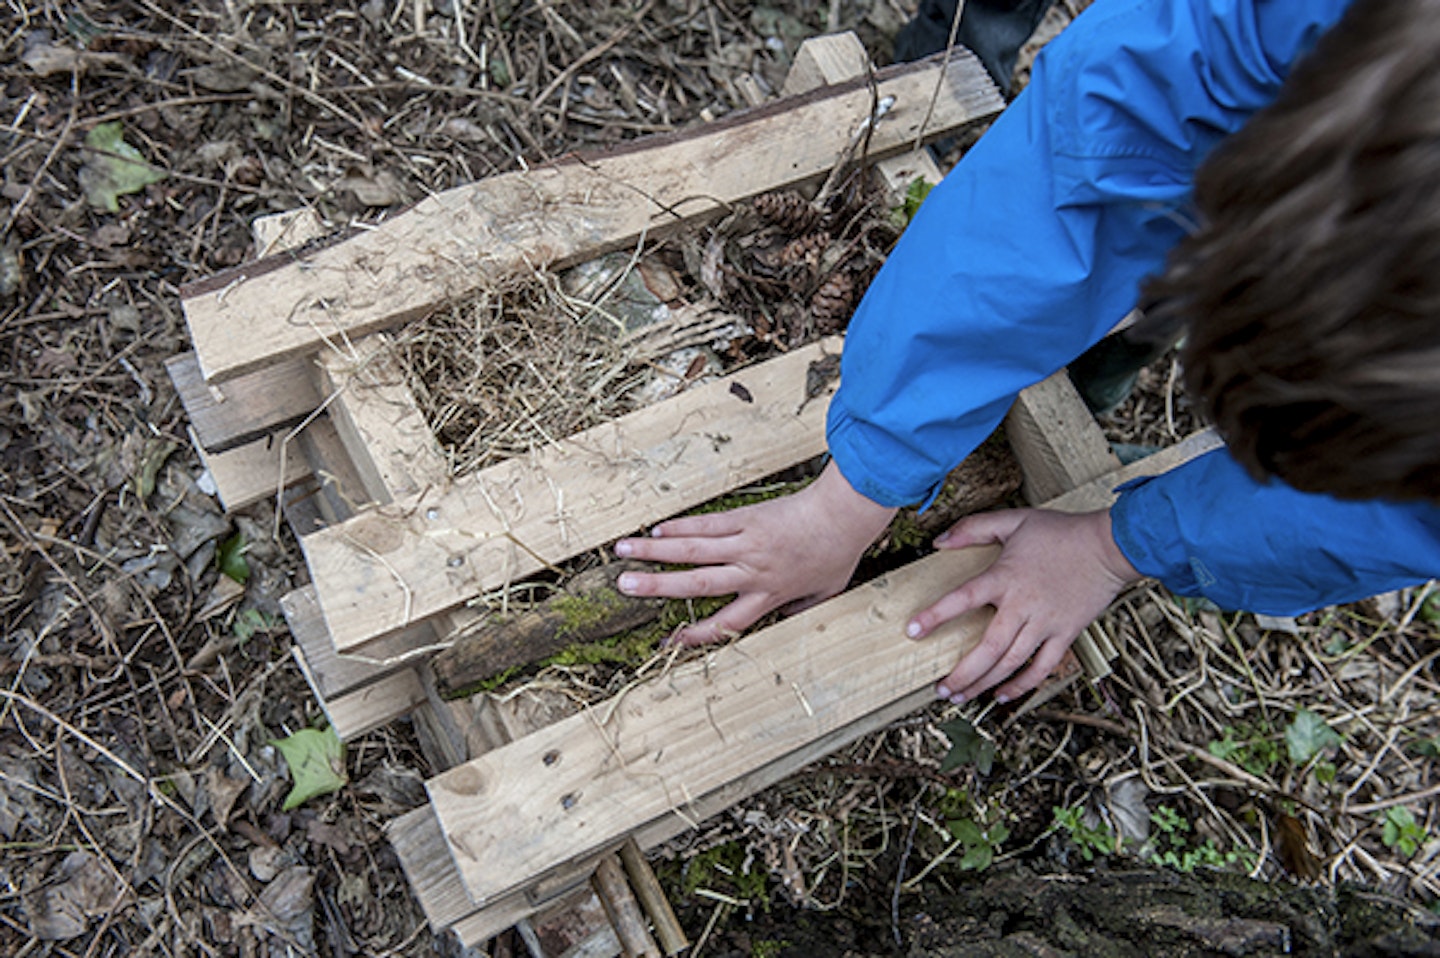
column 395, row 565
column 453, row 243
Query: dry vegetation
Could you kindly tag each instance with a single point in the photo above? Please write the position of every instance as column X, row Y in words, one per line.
column 140, row 797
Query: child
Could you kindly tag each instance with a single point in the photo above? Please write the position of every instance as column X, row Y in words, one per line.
column 1310, row 285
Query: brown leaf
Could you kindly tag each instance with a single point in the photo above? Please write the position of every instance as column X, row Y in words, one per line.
column 223, row 792
column 1292, row 846
column 63, row 911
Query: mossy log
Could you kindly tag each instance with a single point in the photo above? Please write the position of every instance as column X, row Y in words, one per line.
column 588, row 610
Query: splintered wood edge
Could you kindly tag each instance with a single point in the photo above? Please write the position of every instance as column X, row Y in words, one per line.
column 391, row 567
column 447, row 245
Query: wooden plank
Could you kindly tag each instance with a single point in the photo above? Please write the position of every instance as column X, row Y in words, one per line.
column 379, row 421
column 269, row 400
column 375, row 705
column 1100, row 493
column 249, row 473
column 644, row 718
column 839, row 58
column 585, row 783
column 1058, row 442
column 453, row 243
column 393, row 566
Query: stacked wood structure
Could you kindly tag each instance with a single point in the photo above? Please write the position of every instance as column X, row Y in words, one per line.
column 290, row 388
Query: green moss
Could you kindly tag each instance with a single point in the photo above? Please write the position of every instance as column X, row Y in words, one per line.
column 749, row 497
column 722, row 869
column 768, row 947
column 581, row 612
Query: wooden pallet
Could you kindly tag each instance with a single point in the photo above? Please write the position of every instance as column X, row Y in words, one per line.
column 537, row 809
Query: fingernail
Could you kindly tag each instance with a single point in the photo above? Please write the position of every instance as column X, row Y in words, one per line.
column 958, row 698
column 942, row 538
column 626, row 582
column 1001, row 698
column 655, row 533
column 913, row 630
column 623, row 548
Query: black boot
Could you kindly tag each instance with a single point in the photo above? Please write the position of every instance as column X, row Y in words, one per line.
column 994, row 30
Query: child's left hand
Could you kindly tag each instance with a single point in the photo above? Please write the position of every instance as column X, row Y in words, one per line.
column 1055, row 574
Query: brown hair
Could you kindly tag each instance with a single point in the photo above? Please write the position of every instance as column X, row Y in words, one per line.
column 1312, row 289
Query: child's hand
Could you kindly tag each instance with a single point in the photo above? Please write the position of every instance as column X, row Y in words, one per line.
column 793, row 551
column 1055, row 574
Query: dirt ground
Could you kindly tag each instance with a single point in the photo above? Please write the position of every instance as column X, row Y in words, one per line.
column 142, row 690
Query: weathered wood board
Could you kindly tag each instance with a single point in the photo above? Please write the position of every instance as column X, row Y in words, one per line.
column 398, row 564
column 451, row 244
column 585, row 783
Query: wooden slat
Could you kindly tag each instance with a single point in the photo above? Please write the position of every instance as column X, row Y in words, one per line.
column 390, row 567
column 269, row 400
column 585, row 783
column 839, row 58
column 1058, row 442
column 453, row 243
column 1100, row 493
column 379, row 421
column 249, row 473
column 638, row 742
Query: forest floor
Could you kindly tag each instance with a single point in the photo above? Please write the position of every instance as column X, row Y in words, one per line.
column 141, row 792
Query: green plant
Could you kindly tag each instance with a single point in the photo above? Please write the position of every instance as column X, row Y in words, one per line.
column 1089, row 839
column 1252, row 747
column 980, row 843
column 915, row 194
column 1173, row 847
column 1400, row 832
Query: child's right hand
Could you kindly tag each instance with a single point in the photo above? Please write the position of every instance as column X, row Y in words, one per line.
column 794, row 552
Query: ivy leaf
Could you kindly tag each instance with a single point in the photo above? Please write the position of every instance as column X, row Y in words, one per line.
column 114, row 168
column 966, row 831
column 967, row 747
column 317, row 764
column 1308, row 735
column 977, row 857
column 231, row 558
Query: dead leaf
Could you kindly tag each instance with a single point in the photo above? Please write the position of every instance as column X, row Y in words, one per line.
column 286, row 906
column 380, row 188
column 223, row 792
column 89, row 890
column 1292, row 846
column 45, row 59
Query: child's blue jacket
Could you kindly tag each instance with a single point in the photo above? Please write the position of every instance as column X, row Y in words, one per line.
column 1035, row 245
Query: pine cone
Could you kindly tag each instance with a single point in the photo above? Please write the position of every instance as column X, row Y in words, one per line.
column 833, row 302
column 788, row 210
column 805, row 251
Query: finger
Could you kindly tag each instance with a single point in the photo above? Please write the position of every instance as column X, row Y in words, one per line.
column 999, row 636
column 709, row 524
column 689, row 584
column 729, row 622
column 687, row 550
column 982, row 529
column 984, row 589
column 1027, row 639
column 1046, row 659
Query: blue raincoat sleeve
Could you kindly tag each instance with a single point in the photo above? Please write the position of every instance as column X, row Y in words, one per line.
column 1208, row 529
column 1036, row 244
